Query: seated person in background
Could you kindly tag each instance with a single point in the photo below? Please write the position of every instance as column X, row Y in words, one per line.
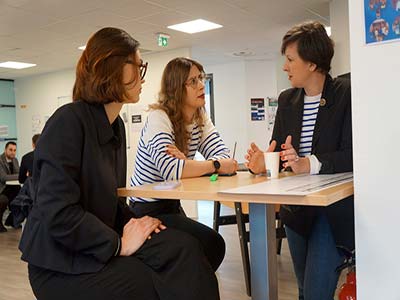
column 9, row 169
column 27, row 161
column 177, row 127
column 80, row 240
column 313, row 133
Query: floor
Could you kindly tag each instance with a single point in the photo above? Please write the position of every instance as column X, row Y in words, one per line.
column 14, row 284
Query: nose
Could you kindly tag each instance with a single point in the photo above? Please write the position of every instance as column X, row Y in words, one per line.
column 285, row 66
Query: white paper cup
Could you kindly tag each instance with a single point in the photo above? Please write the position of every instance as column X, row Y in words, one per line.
column 272, row 164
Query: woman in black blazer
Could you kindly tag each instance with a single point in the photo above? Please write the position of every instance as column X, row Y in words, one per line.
column 81, row 241
column 313, row 133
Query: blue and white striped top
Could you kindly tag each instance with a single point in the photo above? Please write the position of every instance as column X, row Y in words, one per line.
column 153, row 164
column 310, row 112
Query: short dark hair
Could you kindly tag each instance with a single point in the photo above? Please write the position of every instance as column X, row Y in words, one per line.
column 100, row 69
column 313, row 44
column 10, row 143
column 35, row 139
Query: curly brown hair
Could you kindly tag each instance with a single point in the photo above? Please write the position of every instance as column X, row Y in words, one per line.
column 172, row 95
column 100, row 69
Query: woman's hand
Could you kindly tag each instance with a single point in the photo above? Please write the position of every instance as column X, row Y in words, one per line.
column 255, row 157
column 135, row 233
column 228, row 166
column 290, row 158
column 173, row 151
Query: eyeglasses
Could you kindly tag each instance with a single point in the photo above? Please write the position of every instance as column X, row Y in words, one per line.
column 143, row 69
column 194, row 81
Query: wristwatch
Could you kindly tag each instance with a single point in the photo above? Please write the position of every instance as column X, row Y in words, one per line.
column 217, row 165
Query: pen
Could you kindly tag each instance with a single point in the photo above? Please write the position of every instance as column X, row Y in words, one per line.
column 234, row 150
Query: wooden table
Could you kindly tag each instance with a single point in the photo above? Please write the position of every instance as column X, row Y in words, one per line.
column 264, row 282
column 12, row 182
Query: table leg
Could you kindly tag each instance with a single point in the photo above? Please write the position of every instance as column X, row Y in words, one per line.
column 264, row 276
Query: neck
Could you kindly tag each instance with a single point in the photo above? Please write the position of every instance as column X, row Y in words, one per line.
column 188, row 114
column 315, row 85
column 112, row 110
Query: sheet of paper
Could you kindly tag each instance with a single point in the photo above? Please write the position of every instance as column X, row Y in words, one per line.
column 299, row 185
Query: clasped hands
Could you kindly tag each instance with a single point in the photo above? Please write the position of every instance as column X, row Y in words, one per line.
column 255, row 158
column 228, row 165
column 137, row 231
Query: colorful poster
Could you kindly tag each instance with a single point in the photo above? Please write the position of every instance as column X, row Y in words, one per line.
column 257, row 109
column 382, row 20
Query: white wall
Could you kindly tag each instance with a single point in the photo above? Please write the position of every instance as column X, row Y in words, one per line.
column 339, row 18
column 234, row 85
column 36, row 98
column 282, row 80
column 376, row 131
column 230, row 104
column 261, row 82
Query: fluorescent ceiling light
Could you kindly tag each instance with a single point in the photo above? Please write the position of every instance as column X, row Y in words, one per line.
column 82, row 47
column 16, row 65
column 198, row 25
column 328, row 30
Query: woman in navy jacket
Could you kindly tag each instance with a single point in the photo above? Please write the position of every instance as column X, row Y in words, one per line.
column 81, row 241
column 313, row 133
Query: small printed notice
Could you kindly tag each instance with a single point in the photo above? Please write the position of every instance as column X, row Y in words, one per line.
column 257, row 109
column 299, row 185
column 37, row 125
column 136, row 119
column 3, row 131
column 272, row 108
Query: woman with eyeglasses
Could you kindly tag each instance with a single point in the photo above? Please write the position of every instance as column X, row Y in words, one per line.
column 177, row 126
column 81, row 241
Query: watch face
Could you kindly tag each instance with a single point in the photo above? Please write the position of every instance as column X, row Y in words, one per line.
column 217, row 165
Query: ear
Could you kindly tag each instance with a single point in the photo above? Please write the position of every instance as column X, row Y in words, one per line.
column 312, row 67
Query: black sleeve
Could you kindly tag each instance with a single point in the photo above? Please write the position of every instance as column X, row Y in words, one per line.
column 340, row 160
column 59, row 159
column 22, row 171
column 277, row 131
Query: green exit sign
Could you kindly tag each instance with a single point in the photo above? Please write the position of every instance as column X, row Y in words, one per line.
column 162, row 40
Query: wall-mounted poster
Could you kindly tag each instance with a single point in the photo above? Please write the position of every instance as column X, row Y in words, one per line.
column 257, row 109
column 272, row 108
column 382, row 20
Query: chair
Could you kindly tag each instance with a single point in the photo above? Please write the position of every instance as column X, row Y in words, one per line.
column 240, row 218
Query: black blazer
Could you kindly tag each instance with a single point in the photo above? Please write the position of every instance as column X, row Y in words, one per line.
column 26, row 166
column 332, row 145
column 76, row 219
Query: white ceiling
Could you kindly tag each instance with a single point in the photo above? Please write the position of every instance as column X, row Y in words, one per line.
column 48, row 32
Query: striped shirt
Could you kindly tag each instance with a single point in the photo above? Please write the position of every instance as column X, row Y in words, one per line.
column 310, row 112
column 153, row 164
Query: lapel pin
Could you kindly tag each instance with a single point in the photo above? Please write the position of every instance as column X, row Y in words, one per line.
column 322, row 102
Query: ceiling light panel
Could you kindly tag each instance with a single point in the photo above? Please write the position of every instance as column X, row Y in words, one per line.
column 16, row 65
column 195, row 26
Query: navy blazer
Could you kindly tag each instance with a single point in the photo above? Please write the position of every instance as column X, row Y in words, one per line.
column 331, row 144
column 26, row 166
column 77, row 217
